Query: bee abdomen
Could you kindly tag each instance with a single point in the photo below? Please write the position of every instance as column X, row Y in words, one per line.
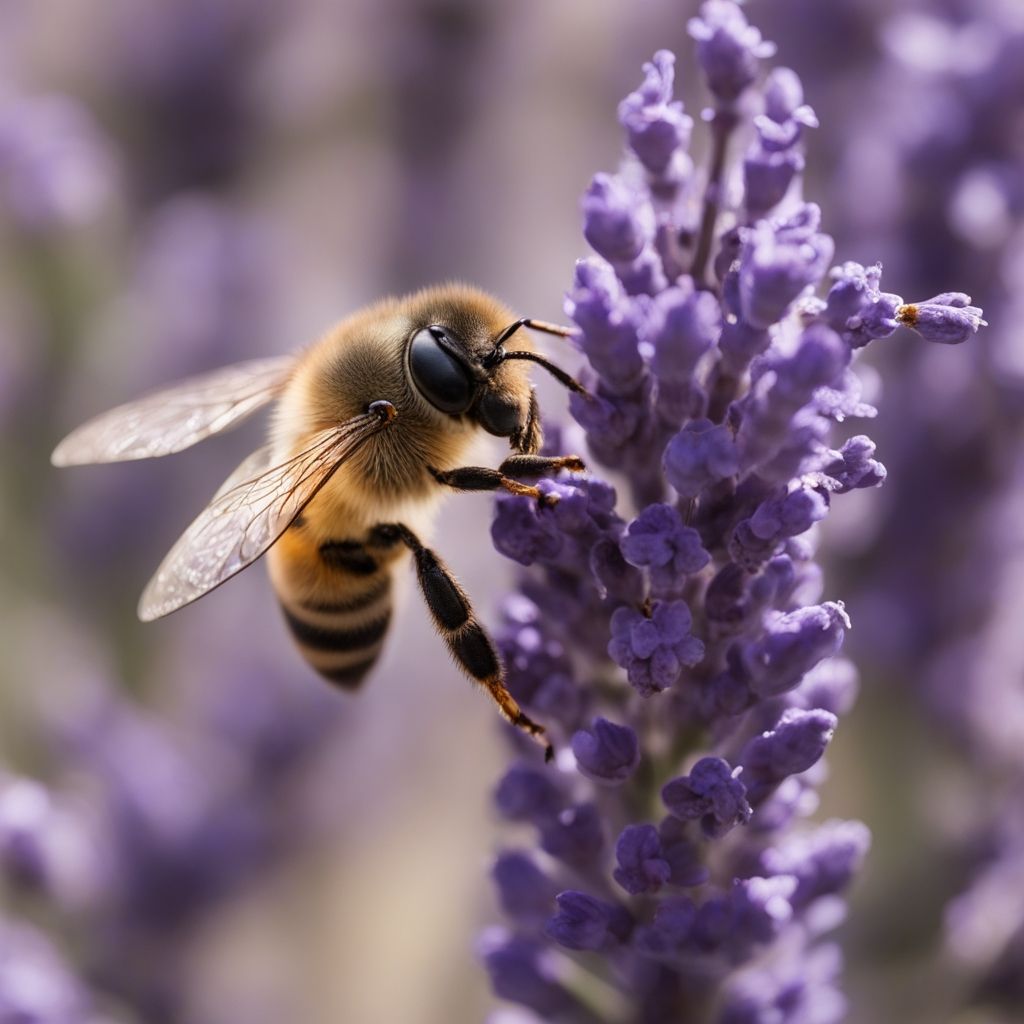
column 341, row 634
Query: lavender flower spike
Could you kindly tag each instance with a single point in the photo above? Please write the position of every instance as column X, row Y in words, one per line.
column 694, row 630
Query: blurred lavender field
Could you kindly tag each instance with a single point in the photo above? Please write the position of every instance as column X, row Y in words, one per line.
column 193, row 828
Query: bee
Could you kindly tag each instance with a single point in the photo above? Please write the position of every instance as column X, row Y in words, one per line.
column 371, row 425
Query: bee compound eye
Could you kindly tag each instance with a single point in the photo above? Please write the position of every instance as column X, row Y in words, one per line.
column 498, row 414
column 444, row 381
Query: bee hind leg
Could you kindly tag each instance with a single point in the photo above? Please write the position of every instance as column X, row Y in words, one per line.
column 465, row 638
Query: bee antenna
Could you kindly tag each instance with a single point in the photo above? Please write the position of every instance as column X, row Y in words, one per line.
column 534, row 325
column 559, row 374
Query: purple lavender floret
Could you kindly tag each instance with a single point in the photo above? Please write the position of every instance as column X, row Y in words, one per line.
column 791, row 644
column 611, row 222
column 712, row 794
column 607, row 753
column 695, row 624
column 729, row 48
column 584, row 922
column 773, row 160
column 794, row 744
column 657, row 129
column 778, row 261
column 524, row 890
column 653, row 648
column 658, row 541
column 948, row 319
column 699, row 455
column 642, row 866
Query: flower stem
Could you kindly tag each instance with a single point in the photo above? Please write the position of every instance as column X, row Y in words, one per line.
column 723, row 122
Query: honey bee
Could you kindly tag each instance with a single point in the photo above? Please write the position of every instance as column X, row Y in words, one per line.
column 371, row 424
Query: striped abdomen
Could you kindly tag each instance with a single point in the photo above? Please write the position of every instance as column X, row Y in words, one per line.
column 336, row 598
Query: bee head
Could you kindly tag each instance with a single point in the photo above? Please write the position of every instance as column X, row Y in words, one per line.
column 458, row 381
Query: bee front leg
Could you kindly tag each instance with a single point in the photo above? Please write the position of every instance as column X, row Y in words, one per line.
column 541, row 465
column 465, row 638
column 481, row 478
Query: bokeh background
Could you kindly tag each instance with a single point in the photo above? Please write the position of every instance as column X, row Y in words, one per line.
column 192, row 827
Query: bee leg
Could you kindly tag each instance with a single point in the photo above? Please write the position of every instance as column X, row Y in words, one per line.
column 466, row 639
column 481, row 478
column 540, row 465
column 529, row 439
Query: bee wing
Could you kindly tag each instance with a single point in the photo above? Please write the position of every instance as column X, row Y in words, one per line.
column 177, row 417
column 253, row 507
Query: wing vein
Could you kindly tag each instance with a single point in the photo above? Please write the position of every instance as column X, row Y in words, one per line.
column 251, row 510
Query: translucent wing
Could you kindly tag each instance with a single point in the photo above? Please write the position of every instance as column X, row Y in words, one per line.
column 176, row 417
column 255, row 505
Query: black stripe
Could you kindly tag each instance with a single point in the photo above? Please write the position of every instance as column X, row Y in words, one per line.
column 350, row 676
column 353, row 604
column 325, row 639
column 348, row 556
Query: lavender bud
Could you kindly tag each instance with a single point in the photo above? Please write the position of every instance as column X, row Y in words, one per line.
column 520, row 532
column 799, row 988
column 576, row 836
column 523, row 971
column 728, row 48
column 767, row 176
column 612, row 221
column 641, row 866
column 609, row 322
column 794, row 745
column 526, row 793
column 607, row 753
column 819, row 361
column 793, row 643
column 760, row 907
column 699, row 455
column 854, row 467
column 584, row 922
column 822, row 861
column 947, row 319
column 683, row 325
column 643, row 276
column 711, row 793
column 673, row 924
column 778, row 261
column 712, row 925
column 755, row 539
column 784, row 98
column 680, row 852
column 831, row 685
column 856, row 308
column 655, row 124
column 524, row 891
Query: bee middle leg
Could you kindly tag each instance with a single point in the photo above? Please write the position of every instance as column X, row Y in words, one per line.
column 481, row 478
column 465, row 638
